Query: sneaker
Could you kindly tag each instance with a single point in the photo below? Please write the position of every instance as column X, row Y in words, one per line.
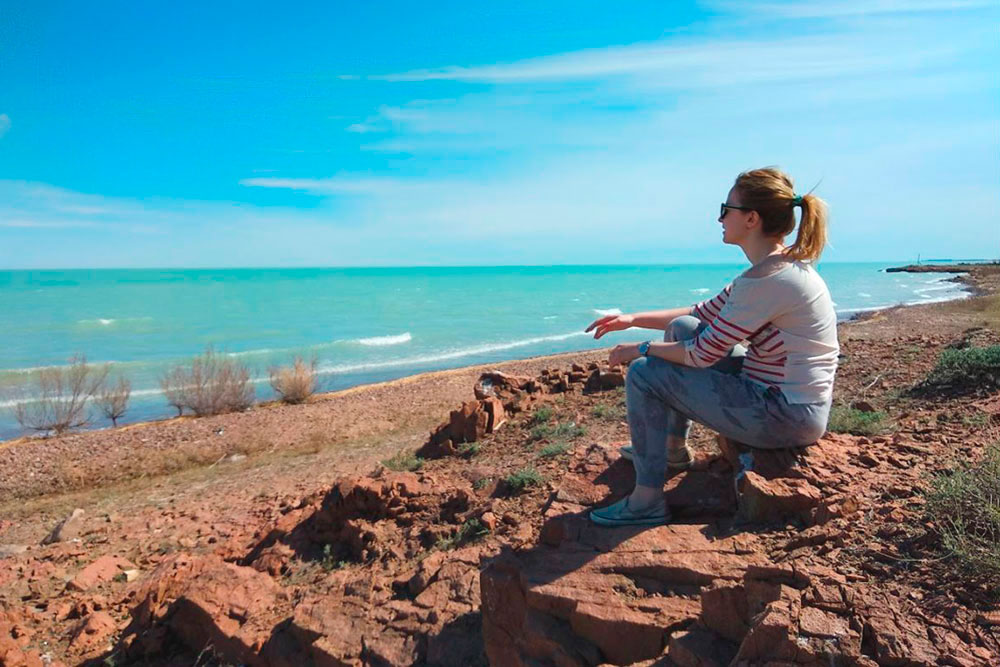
column 620, row 514
column 677, row 459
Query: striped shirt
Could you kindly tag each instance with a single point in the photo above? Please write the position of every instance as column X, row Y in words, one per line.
column 787, row 321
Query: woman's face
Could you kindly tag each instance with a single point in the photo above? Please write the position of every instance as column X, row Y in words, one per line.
column 734, row 222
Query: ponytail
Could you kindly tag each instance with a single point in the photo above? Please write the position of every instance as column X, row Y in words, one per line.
column 811, row 239
column 771, row 193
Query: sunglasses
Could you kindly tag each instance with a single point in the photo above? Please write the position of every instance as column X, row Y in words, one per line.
column 724, row 206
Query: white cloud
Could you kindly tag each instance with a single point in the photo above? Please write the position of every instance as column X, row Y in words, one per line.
column 845, row 8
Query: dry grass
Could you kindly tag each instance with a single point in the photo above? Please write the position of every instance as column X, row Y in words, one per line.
column 212, row 385
column 296, row 383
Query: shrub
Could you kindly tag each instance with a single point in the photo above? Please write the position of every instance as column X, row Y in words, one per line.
column 404, row 462
column 971, row 366
column 542, row 415
column 212, row 385
column 964, row 504
column 470, row 449
column 58, row 400
column 113, row 400
column 541, row 432
column 522, row 479
column 295, row 383
column 569, row 430
column 555, row 449
column 609, row 412
column 845, row 419
column 471, row 530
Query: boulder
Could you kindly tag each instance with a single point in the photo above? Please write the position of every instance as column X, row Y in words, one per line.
column 67, row 529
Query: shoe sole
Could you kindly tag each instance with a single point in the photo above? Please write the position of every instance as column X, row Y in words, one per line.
column 645, row 521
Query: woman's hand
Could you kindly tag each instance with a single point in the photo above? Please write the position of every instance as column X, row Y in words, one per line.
column 609, row 323
column 623, row 354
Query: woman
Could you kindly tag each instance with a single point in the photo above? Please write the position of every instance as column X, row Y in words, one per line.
column 773, row 393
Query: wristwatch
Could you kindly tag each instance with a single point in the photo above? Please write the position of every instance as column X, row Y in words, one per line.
column 644, row 348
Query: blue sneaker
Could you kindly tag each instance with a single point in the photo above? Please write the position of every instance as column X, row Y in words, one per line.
column 619, row 514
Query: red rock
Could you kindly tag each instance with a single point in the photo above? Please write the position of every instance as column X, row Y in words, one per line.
column 818, row 623
column 103, row 569
column 777, row 499
column 700, row 648
column 67, row 529
column 93, row 632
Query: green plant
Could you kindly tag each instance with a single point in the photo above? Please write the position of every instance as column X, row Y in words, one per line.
column 555, row 449
column 522, row 479
column 470, row 449
column 470, row 531
column 609, row 412
column 971, row 366
column 404, row 461
column 481, row 483
column 964, row 505
column 541, row 432
column 845, row 419
column 330, row 562
column 542, row 415
column 569, row 430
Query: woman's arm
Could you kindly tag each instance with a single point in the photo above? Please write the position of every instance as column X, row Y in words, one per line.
column 658, row 319
column 625, row 353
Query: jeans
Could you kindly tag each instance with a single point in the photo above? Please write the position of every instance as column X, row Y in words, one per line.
column 663, row 397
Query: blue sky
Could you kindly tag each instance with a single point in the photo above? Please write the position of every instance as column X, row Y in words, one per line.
column 391, row 133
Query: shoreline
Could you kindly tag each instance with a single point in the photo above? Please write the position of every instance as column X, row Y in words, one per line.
column 969, row 286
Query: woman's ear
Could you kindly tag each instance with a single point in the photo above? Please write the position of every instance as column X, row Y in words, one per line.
column 753, row 220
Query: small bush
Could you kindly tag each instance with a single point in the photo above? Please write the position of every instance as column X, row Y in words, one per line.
column 844, row 419
column 113, row 400
column 965, row 506
column 522, row 479
column 58, row 399
column 295, row 383
column 542, row 415
column 212, row 385
column 404, row 462
column 970, row 366
column 470, row 531
column 609, row 412
column 470, row 449
column 541, row 432
column 555, row 449
column 569, row 430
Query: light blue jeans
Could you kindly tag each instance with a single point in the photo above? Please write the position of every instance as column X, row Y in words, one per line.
column 663, row 397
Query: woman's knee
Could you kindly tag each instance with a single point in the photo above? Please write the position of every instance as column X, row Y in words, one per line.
column 684, row 327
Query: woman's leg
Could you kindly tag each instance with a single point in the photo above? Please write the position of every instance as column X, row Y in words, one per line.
column 657, row 429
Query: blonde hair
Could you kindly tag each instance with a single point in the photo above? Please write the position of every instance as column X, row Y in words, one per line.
column 771, row 193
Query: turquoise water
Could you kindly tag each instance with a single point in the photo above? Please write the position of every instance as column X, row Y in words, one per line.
column 363, row 325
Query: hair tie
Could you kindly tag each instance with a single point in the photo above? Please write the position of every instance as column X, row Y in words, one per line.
column 797, row 200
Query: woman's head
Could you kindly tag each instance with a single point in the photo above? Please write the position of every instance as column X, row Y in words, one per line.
column 770, row 194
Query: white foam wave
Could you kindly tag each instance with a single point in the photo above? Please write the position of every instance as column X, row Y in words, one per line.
column 865, row 294
column 607, row 311
column 444, row 356
column 550, row 317
column 108, row 321
column 700, row 290
column 379, row 341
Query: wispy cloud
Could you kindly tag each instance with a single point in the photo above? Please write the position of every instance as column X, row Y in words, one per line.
column 847, row 8
column 4, row 124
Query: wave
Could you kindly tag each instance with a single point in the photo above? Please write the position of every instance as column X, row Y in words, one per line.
column 865, row 295
column 700, row 290
column 444, row 356
column 607, row 311
column 550, row 317
column 108, row 321
column 380, row 341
